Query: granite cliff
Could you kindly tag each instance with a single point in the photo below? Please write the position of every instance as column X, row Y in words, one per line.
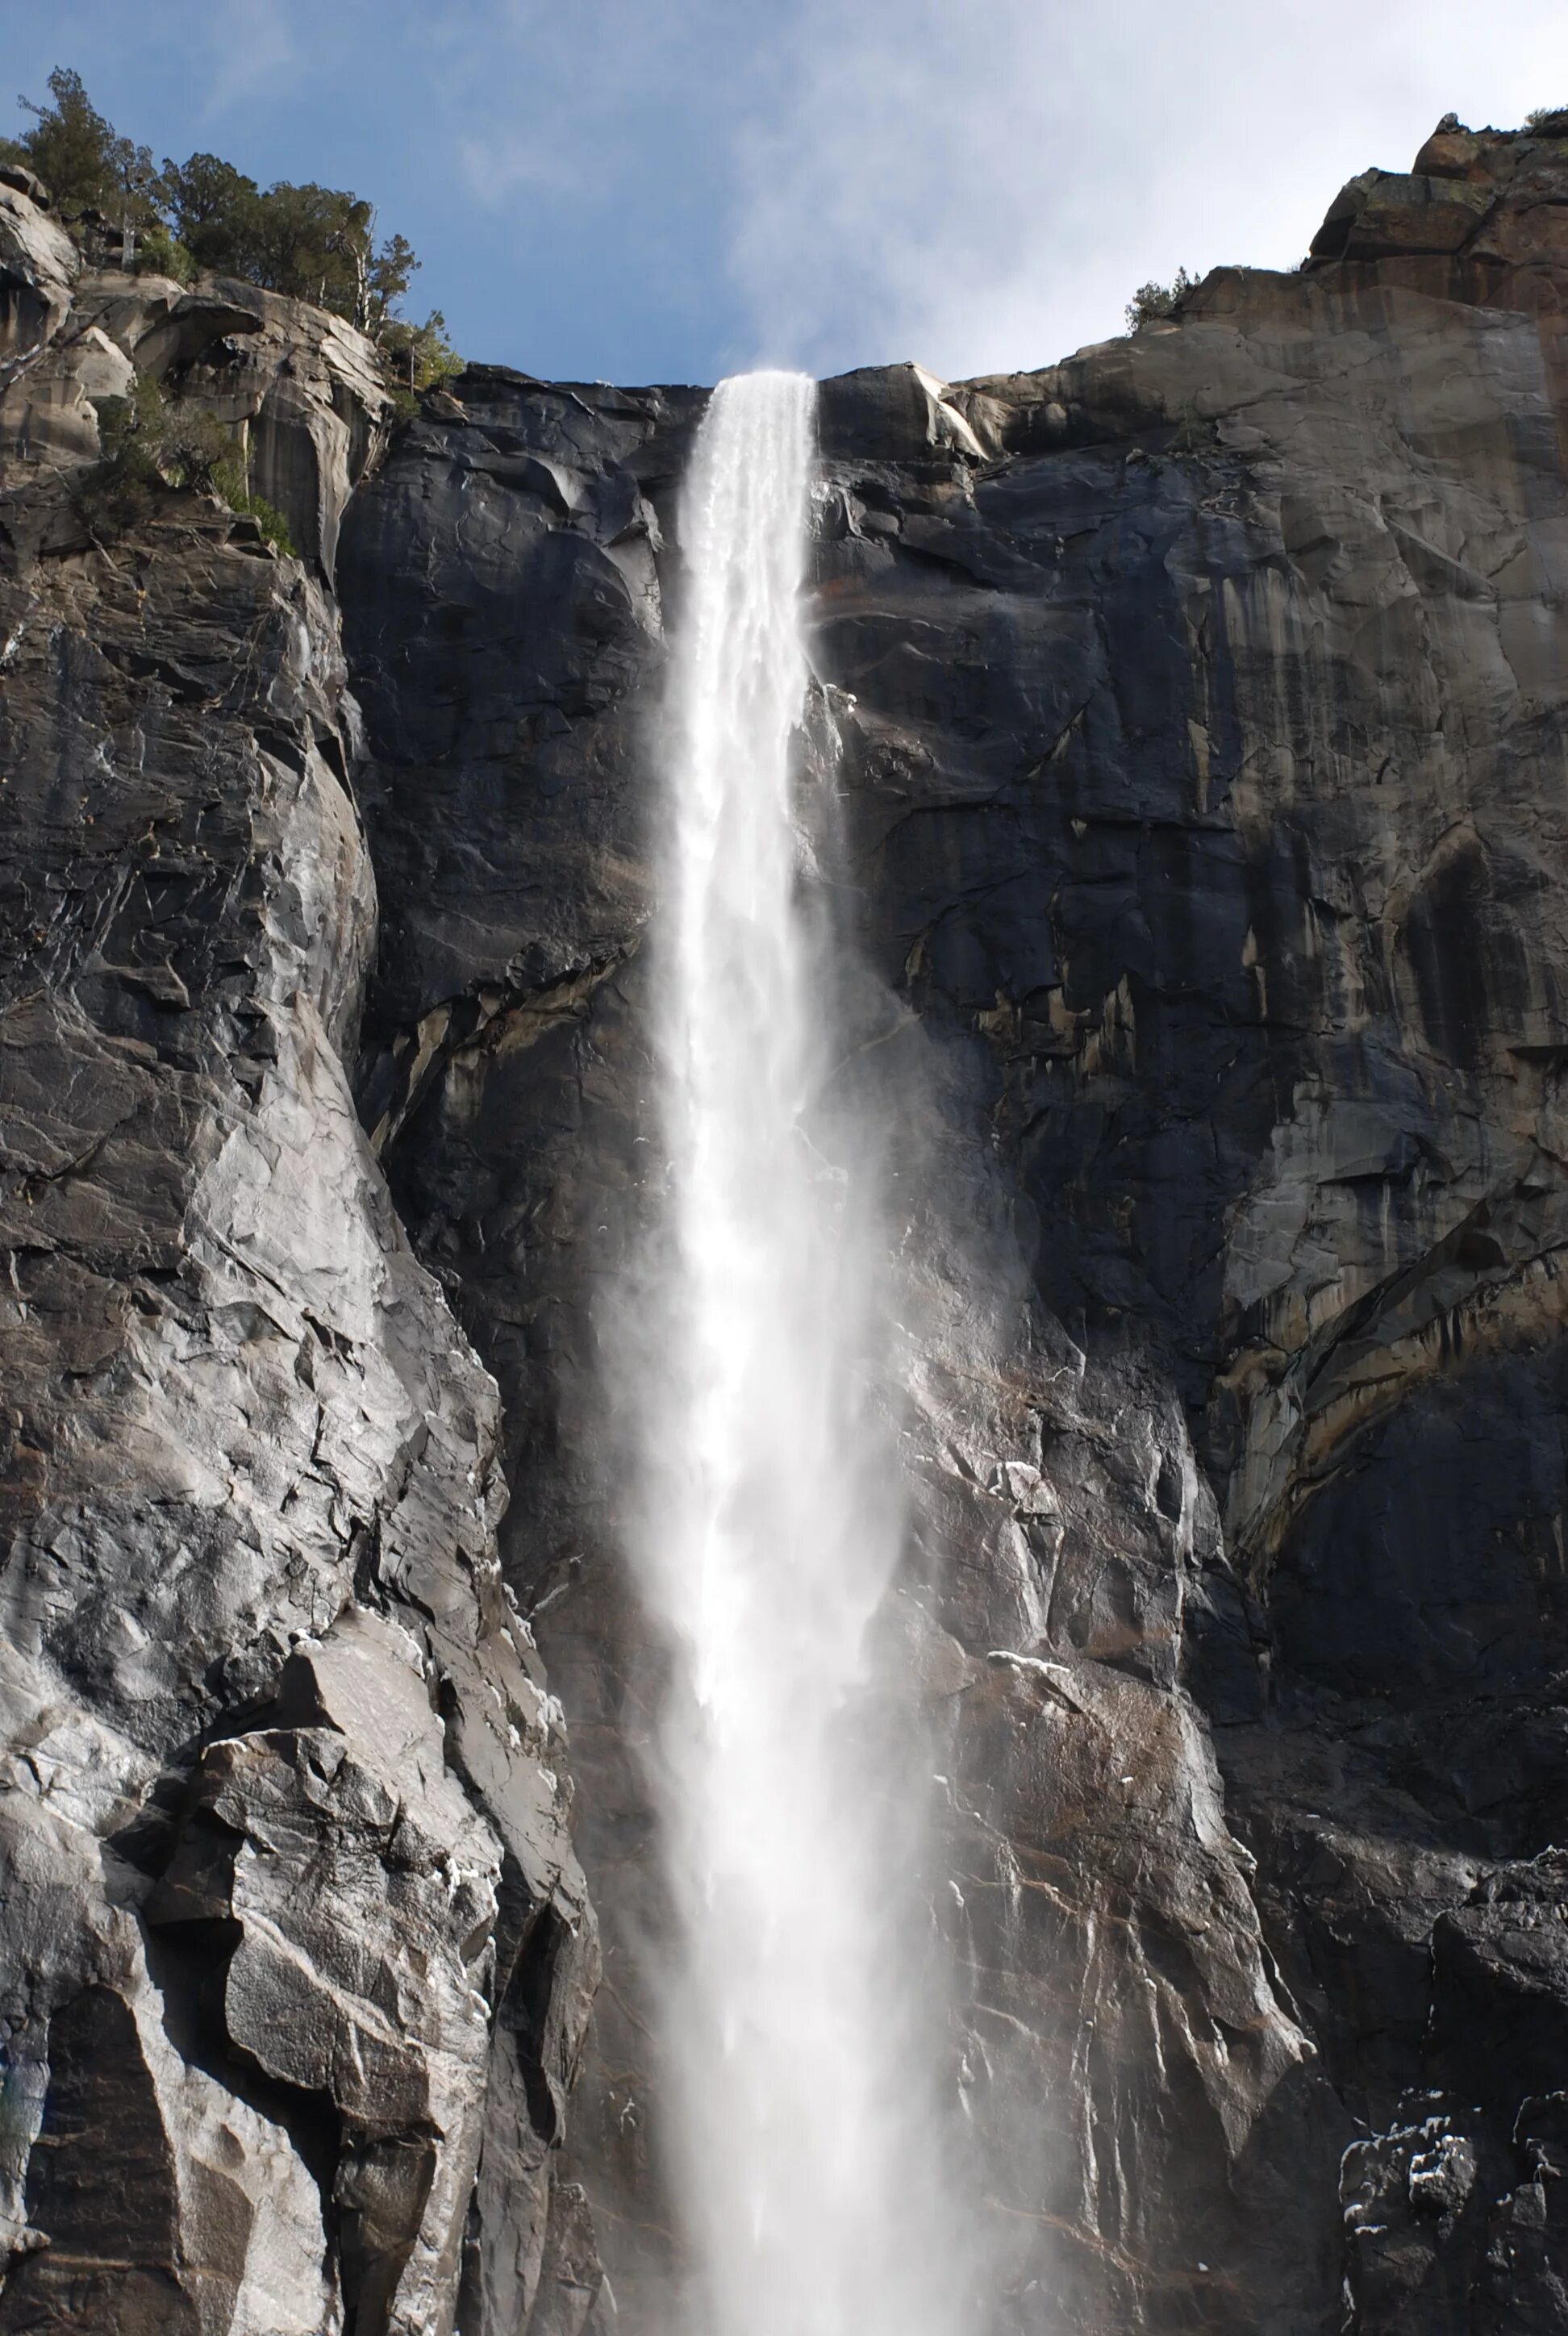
column 296, row 1953
column 1202, row 713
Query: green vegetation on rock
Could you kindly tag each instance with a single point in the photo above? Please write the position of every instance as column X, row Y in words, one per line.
column 310, row 242
column 87, row 166
column 1151, row 301
column 416, row 357
column 149, row 444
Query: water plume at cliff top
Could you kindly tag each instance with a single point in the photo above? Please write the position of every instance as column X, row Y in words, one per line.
column 982, row 188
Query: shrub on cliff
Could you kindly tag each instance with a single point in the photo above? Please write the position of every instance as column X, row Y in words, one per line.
column 1151, row 301
column 150, row 444
column 269, row 520
column 313, row 243
column 416, row 357
column 310, row 242
column 90, row 170
column 158, row 253
column 120, row 491
column 208, row 203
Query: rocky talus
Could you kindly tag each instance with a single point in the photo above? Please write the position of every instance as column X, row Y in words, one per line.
column 1203, row 716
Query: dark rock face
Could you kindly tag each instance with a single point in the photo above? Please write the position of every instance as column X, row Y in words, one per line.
column 1201, row 704
column 1204, row 765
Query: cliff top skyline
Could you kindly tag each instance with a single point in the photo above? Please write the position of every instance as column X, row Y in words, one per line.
column 616, row 193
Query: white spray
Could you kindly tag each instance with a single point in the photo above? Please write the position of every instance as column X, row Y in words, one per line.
column 804, row 2166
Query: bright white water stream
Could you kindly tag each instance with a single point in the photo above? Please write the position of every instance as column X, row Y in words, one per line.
column 801, row 2151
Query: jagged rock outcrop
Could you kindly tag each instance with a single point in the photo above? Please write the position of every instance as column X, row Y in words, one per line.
column 300, row 391
column 297, row 1955
column 1201, row 704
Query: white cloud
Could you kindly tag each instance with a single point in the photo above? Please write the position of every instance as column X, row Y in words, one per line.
column 253, row 47
column 572, row 99
column 982, row 187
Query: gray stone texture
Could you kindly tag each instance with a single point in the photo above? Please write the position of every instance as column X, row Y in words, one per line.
column 1203, row 718
column 296, row 1955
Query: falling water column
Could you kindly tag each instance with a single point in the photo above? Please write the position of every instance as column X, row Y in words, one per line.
column 775, row 1522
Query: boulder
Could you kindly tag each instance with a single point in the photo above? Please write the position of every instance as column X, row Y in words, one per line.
column 39, row 264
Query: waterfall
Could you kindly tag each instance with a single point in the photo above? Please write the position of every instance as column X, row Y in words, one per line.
column 798, row 2135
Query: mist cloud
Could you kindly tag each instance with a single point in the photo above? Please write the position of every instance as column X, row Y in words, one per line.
column 983, row 187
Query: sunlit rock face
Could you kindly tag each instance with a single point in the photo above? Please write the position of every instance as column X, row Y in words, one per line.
column 295, row 1957
column 1200, row 709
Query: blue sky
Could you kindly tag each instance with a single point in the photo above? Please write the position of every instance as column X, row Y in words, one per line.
column 664, row 190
